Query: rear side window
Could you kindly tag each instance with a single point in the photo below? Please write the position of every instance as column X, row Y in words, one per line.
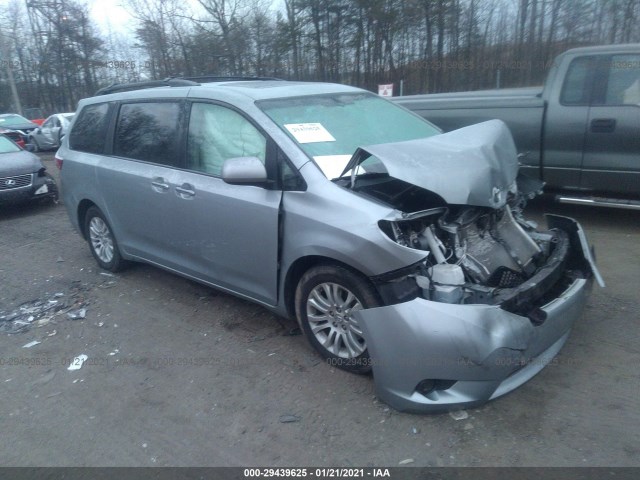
column 577, row 84
column 89, row 133
column 148, row 131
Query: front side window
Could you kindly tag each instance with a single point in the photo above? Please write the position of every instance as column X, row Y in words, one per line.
column 217, row 133
column 90, row 130
column 148, row 131
column 329, row 128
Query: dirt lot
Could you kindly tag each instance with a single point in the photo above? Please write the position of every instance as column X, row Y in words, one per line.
column 179, row 374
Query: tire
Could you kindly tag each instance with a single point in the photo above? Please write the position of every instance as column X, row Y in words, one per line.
column 34, row 142
column 325, row 297
column 102, row 242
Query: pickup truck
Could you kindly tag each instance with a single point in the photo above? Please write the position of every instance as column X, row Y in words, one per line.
column 580, row 133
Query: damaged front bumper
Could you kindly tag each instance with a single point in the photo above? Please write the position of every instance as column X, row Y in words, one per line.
column 430, row 356
column 39, row 187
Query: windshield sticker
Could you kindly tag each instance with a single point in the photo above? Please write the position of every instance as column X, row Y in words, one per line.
column 309, row 132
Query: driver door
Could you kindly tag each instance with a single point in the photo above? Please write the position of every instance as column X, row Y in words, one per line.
column 226, row 235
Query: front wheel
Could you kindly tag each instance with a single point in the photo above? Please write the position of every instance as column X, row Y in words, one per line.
column 102, row 242
column 326, row 298
column 34, row 142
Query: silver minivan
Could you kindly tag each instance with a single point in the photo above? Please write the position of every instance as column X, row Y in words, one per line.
column 398, row 249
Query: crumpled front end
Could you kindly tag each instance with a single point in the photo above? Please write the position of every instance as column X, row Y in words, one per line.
column 494, row 297
column 463, row 343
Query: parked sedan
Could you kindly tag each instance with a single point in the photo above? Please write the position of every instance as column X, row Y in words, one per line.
column 51, row 133
column 16, row 127
column 23, row 177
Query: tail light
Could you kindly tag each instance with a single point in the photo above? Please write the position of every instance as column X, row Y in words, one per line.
column 59, row 161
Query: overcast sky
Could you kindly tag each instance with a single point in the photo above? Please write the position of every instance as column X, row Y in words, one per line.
column 109, row 14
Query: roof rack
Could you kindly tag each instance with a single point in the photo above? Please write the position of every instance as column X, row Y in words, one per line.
column 176, row 82
column 229, row 78
column 127, row 87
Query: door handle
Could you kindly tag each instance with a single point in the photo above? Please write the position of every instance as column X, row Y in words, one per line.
column 186, row 191
column 603, row 125
column 159, row 184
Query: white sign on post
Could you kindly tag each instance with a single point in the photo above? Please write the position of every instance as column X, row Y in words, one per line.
column 385, row 90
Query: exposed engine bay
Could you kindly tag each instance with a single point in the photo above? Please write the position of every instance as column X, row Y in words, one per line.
column 459, row 198
column 475, row 254
column 473, row 250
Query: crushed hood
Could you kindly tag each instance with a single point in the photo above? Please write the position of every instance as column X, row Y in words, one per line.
column 475, row 165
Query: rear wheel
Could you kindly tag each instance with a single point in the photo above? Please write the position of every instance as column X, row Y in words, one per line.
column 326, row 298
column 102, row 242
column 34, row 142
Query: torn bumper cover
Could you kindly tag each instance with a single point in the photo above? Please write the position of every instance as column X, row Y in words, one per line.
column 430, row 356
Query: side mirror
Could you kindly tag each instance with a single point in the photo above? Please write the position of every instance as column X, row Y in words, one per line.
column 244, row 171
column 29, row 147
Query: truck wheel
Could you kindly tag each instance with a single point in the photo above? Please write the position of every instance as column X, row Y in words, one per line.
column 326, row 298
column 102, row 242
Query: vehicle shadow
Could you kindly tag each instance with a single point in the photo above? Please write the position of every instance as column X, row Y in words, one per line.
column 13, row 211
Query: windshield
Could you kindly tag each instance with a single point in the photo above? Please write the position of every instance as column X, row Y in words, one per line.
column 7, row 146
column 329, row 128
column 8, row 120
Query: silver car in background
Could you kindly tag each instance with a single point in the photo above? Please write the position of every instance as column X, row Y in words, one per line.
column 50, row 134
column 398, row 249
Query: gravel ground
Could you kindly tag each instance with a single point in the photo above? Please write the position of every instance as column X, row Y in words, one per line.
column 179, row 374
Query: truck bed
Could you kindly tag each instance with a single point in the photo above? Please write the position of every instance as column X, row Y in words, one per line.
column 522, row 109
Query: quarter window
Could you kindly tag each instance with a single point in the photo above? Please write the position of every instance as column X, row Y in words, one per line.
column 218, row 133
column 148, row 131
column 90, row 130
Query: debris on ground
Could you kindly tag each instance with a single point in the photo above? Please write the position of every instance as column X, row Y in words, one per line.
column 31, row 344
column 60, row 260
column 459, row 415
column 406, row 461
column 111, row 354
column 289, row 418
column 38, row 312
column 78, row 314
column 414, row 430
column 77, row 362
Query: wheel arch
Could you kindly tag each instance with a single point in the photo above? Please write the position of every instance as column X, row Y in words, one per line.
column 301, row 265
column 83, row 206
